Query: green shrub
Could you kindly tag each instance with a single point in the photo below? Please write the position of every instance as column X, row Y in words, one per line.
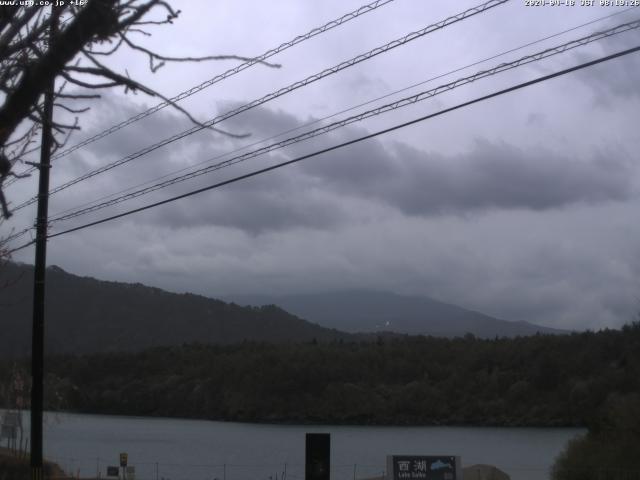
column 611, row 448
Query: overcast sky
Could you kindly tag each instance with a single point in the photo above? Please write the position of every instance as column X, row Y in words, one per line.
column 524, row 207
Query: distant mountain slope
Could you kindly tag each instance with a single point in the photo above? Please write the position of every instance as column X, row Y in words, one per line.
column 371, row 311
column 87, row 315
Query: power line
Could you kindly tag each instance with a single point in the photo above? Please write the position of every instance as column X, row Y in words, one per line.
column 61, row 215
column 361, row 116
column 14, row 236
column 271, row 96
column 350, row 142
column 232, row 71
column 308, row 124
column 599, row 19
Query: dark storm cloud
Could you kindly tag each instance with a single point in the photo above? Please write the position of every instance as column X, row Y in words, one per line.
column 505, row 177
column 170, row 159
column 274, row 201
column 326, row 191
column 489, row 176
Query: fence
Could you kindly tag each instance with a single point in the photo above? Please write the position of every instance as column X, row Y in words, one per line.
column 92, row 468
column 149, row 470
column 96, row 468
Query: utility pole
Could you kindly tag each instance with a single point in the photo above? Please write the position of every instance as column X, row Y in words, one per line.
column 37, row 335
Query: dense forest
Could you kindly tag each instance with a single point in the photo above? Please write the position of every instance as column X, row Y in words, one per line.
column 542, row 380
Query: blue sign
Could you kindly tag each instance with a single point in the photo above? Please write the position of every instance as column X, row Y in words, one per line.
column 414, row 467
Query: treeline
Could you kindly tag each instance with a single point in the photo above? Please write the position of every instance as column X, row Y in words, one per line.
column 528, row 381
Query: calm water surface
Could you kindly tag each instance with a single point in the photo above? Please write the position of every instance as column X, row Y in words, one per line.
column 202, row 450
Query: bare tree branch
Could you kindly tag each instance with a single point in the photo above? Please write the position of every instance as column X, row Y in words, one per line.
column 30, row 60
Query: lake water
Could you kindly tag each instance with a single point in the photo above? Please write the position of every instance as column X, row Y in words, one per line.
column 176, row 449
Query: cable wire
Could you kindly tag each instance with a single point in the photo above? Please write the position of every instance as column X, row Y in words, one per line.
column 350, row 142
column 232, row 71
column 361, row 116
column 294, row 86
column 92, row 204
column 319, row 120
column 14, row 236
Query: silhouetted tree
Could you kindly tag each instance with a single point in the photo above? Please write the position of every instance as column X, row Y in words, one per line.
column 32, row 54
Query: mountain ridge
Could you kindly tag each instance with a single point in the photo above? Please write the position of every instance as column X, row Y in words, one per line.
column 87, row 315
column 371, row 311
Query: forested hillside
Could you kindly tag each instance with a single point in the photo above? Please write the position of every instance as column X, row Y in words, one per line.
column 85, row 315
column 539, row 380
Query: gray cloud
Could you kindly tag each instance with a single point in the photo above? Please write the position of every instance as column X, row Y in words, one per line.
column 275, row 201
column 329, row 190
column 489, row 176
column 535, row 220
column 619, row 79
column 503, row 176
column 262, row 122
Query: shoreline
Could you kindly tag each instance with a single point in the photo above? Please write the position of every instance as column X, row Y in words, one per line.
column 317, row 423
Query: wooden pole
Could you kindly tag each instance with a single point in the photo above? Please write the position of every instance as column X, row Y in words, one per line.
column 37, row 338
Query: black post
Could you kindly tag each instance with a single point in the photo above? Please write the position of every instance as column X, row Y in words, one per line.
column 317, row 456
column 37, row 339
